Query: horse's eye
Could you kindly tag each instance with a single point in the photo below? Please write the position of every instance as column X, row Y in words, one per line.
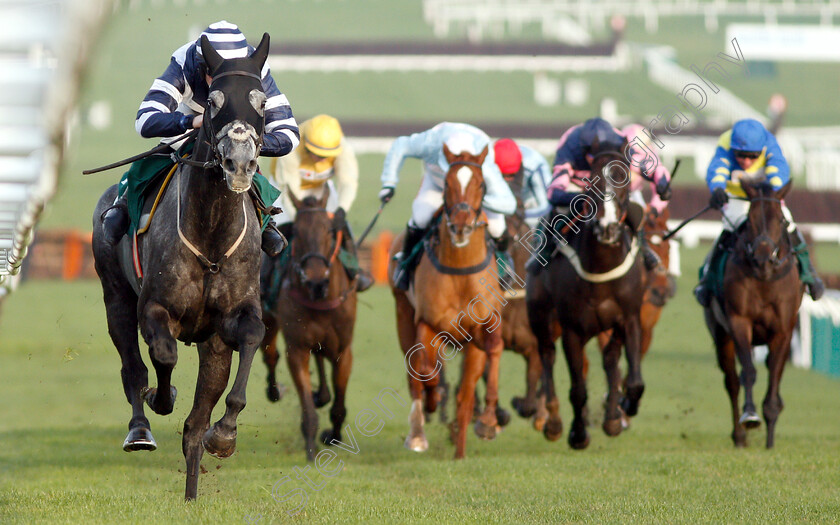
column 257, row 99
column 215, row 100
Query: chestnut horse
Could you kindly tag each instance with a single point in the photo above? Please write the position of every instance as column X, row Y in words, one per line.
column 758, row 305
column 596, row 285
column 316, row 311
column 452, row 305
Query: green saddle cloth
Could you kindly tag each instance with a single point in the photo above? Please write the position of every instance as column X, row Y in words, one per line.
column 714, row 280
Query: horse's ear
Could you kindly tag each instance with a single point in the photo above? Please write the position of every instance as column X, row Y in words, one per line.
column 295, row 201
column 483, row 154
column 450, row 157
column 260, row 54
column 750, row 187
column 781, row 192
column 322, row 202
column 211, row 57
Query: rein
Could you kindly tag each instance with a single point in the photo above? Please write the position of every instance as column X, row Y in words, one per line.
column 749, row 247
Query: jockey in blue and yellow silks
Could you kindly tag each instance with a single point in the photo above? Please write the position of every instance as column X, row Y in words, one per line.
column 749, row 150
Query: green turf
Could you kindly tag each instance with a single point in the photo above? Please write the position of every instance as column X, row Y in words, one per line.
column 65, row 419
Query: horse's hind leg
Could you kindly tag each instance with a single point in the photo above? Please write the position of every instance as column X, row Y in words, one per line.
column 634, row 386
column 779, row 348
column 321, row 396
column 164, row 353
column 742, row 335
column 725, row 349
column 243, row 330
column 270, row 358
column 553, row 426
column 214, row 359
column 488, row 424
column 340, row 378
column 527, row 406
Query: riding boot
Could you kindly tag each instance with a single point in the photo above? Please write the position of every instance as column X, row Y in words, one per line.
column 363, row 279
column 505, row 269
column 806, row 270
column 273, row 242
column 650, row 257
column 703, row 292
column 403, row 271
column 115, row 221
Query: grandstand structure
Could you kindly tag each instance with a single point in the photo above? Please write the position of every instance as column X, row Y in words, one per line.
column 573, row 21
column 43, row 48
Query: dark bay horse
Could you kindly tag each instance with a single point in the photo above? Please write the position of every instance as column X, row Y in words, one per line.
column 205, row 216
column 758, row 305
column 453, row 306
column 596, row 285
column 316, row 312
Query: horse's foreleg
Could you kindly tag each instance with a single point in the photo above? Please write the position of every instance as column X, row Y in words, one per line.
column 163, row 349
column 340, row 378
column 634, row 386
column 779, row 348
column 321, row 396
column 270, row 358
column 245, row 330
column 527, row 406
column 553, row 427
column 742, row 335
column 474, row 361
column 610, row 355
column 298, row 361
column 420, row 373
column 725, row 349
column 488, row 423
column 214, row 359
column 573, row 346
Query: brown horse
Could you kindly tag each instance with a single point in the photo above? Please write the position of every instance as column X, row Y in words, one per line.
column 453, row 305
column 758, row 305
column 316, row 312
column 596, row 285
column 660, row 285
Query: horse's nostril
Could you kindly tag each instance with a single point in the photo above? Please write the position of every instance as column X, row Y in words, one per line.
column 252, row 166
column 227, row 164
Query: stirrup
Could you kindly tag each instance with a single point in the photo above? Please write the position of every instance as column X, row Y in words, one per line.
column 115, row 222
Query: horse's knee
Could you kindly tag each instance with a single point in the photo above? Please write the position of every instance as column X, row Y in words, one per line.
column 164, row 351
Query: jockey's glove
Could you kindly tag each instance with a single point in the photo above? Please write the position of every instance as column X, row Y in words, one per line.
column 663, row 189
column 718, row 198
column 385, row 194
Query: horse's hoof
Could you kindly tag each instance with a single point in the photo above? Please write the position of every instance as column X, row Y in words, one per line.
column 523, row 407
column 275, row 392
column 502, row 416
column 612, row 427
column 218, row 445
column 625, row 422
column 629, row 407
column 327, row 437
column 486, row 432
column 553, row 429
column 750, row 420
column 539, row 423
column 139, row 439
column 149, row 395
column 578, row 441
column 417, row 443
column 319, row 401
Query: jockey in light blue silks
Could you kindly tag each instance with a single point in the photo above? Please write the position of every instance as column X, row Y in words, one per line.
column 428, row 147
column 748, row 149
column 528, row 171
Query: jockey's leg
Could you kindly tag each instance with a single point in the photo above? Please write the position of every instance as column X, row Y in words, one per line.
column 350, row 261
column 115, row 221
column 427, row 202
column 807, row 273
column 273, row 242
column 497, row 227
column 734, row 214
column 635, row 218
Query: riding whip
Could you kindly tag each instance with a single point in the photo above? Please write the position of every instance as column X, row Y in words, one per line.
column 370, row 226
column 157, row 149
column 683, row 223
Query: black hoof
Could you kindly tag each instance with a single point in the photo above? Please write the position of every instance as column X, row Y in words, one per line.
column 579, row 440
column 486, row 432
column 218, row 445
column 553, row 429
column 149, row 395
column 139, row 439
column 523, row 407
column 630, row 407
column 327, row 437
column 321, row 401
column 502, row 416
column 275, row 392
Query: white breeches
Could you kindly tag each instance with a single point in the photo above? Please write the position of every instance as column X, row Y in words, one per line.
column 430, row 198
column 289, row 211
column 735, row 213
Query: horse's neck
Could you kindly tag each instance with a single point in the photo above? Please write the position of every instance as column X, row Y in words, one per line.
column 597, row 256
column 470, row 255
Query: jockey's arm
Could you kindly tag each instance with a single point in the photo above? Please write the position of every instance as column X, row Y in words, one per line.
column 776, row 168
column 157, row 115
column 346, row 176
column 416, row 145
column 557, row 193
column 720, row 170
column 281, row 135
column 537, row 183
column 499, row 197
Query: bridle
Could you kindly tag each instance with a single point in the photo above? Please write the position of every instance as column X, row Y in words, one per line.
column 298, row 264
column 763, row 237
column 463, row 206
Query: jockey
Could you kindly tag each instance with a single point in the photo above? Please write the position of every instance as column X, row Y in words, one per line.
column 324, row 159
column 428, row 146
column 572, row 163
column 753, row 149
column 527, row 171
column 660, row 182
column 175, row 105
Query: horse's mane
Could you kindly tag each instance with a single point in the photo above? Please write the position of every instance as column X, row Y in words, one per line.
column 310, row 202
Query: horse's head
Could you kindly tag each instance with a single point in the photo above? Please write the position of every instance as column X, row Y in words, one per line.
column 315, row 242
column 234, row 120
column 463, row 191
column 609, row 188
column 765, row 239
column 662, row 285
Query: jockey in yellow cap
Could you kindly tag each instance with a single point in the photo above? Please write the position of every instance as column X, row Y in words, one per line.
column 323, row 159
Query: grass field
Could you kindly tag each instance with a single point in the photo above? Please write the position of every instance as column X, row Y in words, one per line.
column 65, row 418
